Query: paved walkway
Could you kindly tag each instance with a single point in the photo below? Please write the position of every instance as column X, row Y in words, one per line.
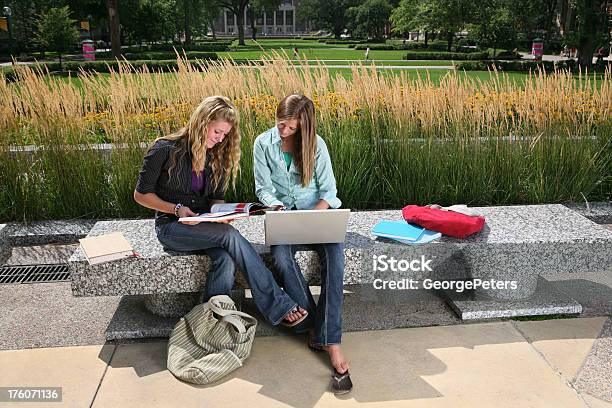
column 49, row 338
column 554, row 363
column 392, row 67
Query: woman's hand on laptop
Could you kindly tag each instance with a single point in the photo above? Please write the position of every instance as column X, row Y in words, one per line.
column 321, row 205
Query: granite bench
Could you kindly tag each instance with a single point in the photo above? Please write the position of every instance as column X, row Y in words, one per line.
column 517, row 244
column 41, row 233
column 5, row 249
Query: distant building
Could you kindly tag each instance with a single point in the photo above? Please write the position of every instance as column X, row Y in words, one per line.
column 280, row 22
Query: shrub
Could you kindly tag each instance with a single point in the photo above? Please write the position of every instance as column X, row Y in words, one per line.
column 517, row 66
column 417, row 55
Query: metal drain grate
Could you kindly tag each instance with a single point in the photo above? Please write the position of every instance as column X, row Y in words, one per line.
column 34, row 273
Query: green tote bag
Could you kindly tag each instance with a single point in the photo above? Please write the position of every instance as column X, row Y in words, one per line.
column 210, row 341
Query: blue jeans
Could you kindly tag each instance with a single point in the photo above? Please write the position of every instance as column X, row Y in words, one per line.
column 328, row 312
column 228, row 249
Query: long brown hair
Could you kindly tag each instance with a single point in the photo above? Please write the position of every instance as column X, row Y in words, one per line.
column 299, row 107
column 192, row 138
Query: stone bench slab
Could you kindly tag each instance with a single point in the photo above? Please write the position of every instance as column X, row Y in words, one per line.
column 518, row 242
column 49, row 232
column 5, row 248
column 599, row 212
column 544, row 301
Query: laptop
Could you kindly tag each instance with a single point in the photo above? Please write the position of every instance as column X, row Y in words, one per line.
column 306, row 226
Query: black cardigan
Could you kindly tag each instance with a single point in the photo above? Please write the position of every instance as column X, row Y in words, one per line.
column 153, row 178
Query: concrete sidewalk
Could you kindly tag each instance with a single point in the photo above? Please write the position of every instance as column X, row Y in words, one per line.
column 551, row 363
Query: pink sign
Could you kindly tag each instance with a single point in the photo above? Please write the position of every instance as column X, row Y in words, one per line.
column 537, row 49
column 89, row 52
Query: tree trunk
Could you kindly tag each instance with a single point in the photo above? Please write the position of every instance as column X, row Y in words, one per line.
column 115, row 32
column 592, row 24
column 186, row 22
column 252, row 21
column 426, row 38
column 449, row 37
column 212, row 29
column 60, row 61
column 586, row 48
column 240, row 23
column 551, row 6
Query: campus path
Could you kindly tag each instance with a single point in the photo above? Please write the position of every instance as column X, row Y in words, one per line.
column 552, row 363
column 50, row 338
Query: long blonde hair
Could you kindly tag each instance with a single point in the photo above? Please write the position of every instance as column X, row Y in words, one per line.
column 299, row 107
column 192, row 138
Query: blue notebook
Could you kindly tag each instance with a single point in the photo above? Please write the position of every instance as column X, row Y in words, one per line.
column 397, row 230
column 426, row 237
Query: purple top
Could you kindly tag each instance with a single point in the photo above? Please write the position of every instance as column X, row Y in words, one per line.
column 197, row 181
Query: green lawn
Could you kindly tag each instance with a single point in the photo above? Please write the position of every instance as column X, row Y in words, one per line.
column 434, row 75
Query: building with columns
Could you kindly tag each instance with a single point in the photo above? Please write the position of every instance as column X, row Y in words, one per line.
column 280, row 22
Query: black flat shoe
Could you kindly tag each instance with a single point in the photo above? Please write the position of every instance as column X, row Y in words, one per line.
column 341, row 383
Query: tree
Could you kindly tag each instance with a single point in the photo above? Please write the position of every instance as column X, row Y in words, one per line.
column 495, row 26
column 26, row 13
column 194, row 17
column 115, row 29
column 237, row 7
column 406, row 17
column 592, row 28
column 211, row 10
column 257, row 8
column 532, row 17
column 368, row 19
column 327, row 14
column 446, row 16
column 24, row 18
column 148, row 20
column 187, row 9
column 57, row 31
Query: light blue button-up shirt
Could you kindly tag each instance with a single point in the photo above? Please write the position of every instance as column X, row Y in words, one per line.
column 275, row 185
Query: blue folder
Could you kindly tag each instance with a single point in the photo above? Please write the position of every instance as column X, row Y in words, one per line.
column 426, row 237
column 398, row 230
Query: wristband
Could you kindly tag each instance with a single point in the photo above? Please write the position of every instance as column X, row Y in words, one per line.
column 177, row 208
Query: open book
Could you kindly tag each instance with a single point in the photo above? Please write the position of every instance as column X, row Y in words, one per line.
column 107, row 247
column 228, row 211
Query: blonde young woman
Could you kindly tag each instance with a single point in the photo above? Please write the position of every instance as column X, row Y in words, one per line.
column 182, row 175
column 293, row 171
